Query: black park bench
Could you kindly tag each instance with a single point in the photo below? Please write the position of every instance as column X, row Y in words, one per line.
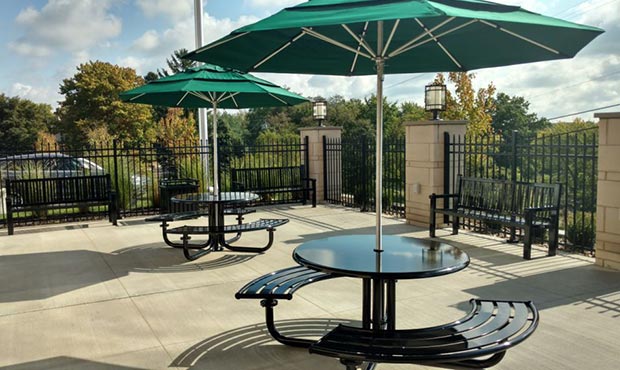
column 34, row 195
column 528, row 206
column 267, row 181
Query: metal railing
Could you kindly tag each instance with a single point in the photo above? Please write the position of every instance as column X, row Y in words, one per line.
column 349, row 168
column 568, row 158
column 138, row 171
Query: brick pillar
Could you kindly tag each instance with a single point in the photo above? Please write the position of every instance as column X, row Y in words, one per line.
column 608, row 191
column 315, row 155
column 425, row 165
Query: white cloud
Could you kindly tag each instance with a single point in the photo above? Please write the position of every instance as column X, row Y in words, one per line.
column 173, row 10
column 153, row 47
column 271, row 4
column 36, row 94
column 67, row 25
column 147, row 42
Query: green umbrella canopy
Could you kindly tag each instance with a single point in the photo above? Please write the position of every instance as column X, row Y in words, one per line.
column 211, row 86
column 202, row 86
column 418, row 36
column 368, row 37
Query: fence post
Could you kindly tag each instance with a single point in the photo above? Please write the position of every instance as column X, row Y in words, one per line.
column 314, row 138
column 608, row 192
column 425, row 165
column 325, row 187
column 116, row 186
column 513, row 164
column 364, row 181
column 446, row 172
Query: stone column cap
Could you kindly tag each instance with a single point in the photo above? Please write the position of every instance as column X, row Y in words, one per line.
column 607, row 115
column 318, row 128
column 436, row 123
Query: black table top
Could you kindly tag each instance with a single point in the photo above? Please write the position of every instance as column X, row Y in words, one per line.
column 222, row 197
column 402, row 257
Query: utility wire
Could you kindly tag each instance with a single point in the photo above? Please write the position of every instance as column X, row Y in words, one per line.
column 573, row 85
column 584, row 111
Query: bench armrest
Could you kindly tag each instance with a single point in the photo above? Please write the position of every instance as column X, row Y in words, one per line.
column 442, row 196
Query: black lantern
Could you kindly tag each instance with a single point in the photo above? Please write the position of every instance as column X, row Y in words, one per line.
column 319, row 111
column 435, row 99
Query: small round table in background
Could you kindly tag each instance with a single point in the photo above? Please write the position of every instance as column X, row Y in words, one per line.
column 401, row 258
column 215, row 204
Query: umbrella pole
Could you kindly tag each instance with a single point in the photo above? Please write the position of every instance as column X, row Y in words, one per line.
column 216, row 175
column 380, row 63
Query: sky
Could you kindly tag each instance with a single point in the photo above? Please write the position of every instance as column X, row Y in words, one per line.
column 43, row 41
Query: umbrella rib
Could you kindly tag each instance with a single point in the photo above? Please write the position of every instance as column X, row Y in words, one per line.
column 434, row 38
column 234, row 101
column 182, row 98
column 278, row 99
column 137, row 96
column 526, row 39
column 358, row 46
column 333, row 42
column 389, row 40
column 278, row 50
column 207, row 47
column 199, row 95
column 230, row 95
column 360, row 40
column 412, row 45
column 406, row 46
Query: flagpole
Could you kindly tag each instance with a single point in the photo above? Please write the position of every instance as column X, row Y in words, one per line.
column 202, row 112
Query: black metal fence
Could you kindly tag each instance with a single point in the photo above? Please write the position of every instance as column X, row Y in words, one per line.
column 567, row 158
column 139, row 172
column 349, row 167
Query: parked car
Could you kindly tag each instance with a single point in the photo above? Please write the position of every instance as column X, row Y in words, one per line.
column 46, row 165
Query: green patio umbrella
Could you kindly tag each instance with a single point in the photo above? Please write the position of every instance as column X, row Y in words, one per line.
column 212, row 86
column 368, row 37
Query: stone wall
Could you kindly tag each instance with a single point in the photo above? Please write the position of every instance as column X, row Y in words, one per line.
column 608, row 192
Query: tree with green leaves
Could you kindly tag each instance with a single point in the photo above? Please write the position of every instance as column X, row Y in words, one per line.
column 466, row 103
column 176, row 63
column 512, row 114
column 21, row 123
column 92, row 102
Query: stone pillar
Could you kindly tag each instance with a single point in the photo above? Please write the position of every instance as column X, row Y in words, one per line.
column 425, row 165
column 315, row 155
column 608, row 191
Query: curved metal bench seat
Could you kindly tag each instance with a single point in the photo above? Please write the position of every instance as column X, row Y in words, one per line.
column 281, row 284
column 490, row 328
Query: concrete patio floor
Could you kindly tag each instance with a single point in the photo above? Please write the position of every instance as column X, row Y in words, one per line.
column 97, row 296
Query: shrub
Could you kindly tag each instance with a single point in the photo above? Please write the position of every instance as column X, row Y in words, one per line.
column 581, row 230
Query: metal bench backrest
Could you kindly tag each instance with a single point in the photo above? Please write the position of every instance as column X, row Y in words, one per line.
column 268, row 177
column 38, row 192
column 504, row 197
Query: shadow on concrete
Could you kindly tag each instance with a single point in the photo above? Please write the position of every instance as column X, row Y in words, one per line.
column 34, row 276
column 588, row 286
column 251, row 347
column 63, row 362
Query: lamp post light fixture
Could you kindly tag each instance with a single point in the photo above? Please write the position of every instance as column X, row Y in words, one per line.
column 435, row 99
column 319, row 111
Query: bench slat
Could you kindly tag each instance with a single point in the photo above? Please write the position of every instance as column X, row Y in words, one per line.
column 181, row 216
column 281, row 284
column 261, row 224
column 504, row 324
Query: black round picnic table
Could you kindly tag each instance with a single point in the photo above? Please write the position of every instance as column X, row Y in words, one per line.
column 215, row 205
column 402, row 258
